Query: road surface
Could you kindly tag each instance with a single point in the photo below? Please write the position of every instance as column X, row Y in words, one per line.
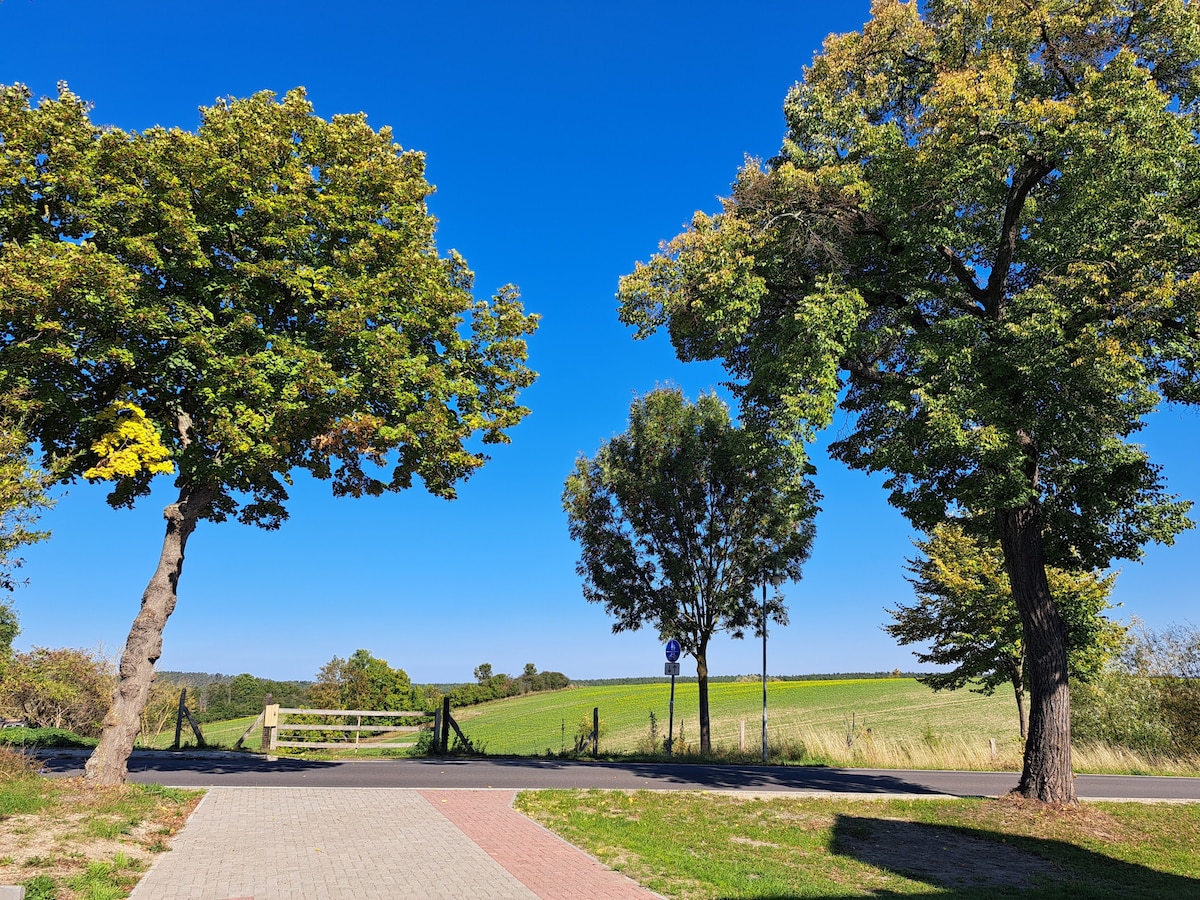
column 231, row 770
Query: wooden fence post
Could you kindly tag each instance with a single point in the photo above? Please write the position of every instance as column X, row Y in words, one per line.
column 268, row 730
column 437, row 731
column 595, row 731
column 179, row 718
column 445, row 725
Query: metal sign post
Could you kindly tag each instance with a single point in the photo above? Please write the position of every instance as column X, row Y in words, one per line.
column 672, row 669
column 764, row 632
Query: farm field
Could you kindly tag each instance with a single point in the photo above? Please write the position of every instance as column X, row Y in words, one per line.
column 222, row 734
column 877, row 718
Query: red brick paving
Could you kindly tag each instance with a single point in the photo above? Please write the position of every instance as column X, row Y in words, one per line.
column 538, row 858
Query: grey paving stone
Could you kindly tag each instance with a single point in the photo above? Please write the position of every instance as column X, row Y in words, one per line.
column 323, row 844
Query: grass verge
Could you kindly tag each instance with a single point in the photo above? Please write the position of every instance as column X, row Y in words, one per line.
column 701, row 845
column 65, row 839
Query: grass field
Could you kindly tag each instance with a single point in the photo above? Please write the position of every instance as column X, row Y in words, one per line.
column 872, row 714
column 877, row 723
column 220, row 734
column 690, row 845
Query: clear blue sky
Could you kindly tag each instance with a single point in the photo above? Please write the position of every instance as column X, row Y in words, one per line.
column 565, row 140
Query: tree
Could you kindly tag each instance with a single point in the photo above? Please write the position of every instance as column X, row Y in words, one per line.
column 483, row 673
column 22, row 496
column 58, row 688
column 365, row 682
column 978, row 239
column 681, row 518
column 232, row 304
column 10, row 627
column 965, row 608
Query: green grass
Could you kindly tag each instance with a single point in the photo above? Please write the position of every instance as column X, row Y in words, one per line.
column 697, row 845
column 216, row 734
column 874, row 723
column 892, row 708
column 43, row 737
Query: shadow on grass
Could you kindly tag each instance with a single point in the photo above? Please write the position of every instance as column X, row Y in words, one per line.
column 961, row 863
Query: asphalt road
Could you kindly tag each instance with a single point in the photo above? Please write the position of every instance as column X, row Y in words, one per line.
column 255, row 771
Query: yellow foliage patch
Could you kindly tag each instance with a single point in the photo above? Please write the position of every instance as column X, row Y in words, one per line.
column 131, row 445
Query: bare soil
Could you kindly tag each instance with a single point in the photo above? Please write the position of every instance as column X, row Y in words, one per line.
column 85, row 824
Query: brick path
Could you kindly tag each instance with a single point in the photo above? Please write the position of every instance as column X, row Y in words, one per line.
column 540, row 859
column 335, row 843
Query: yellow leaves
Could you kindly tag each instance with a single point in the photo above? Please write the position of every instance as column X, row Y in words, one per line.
column 131, row 445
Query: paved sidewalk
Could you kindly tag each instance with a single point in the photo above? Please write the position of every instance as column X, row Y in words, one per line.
column 335, row 843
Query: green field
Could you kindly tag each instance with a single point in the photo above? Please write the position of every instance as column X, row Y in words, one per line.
column 220, row 734
column 886, row 712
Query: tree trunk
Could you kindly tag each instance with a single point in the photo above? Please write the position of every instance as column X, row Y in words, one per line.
column 1046, row 775
column 1016, row 677
column 702, row 678
column 108, row 762
column 1019, row 694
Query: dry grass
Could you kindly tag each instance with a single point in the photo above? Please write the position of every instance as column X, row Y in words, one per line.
column 61, row 837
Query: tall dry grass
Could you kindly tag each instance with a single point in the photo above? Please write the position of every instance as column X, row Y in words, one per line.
column 863, row 748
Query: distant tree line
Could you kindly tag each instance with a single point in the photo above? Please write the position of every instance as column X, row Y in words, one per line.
column 361, row 681
column 497, row 686
column 214, row 698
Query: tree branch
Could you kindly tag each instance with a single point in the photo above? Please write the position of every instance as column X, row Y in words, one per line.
column 966, row 277
column 1027, row 177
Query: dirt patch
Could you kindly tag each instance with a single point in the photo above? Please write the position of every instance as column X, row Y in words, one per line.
column 942, row 856
column 83, row 824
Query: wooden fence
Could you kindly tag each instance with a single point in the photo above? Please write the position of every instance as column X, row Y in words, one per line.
column 273, row 721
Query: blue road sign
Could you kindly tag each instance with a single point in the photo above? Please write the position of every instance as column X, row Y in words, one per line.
column 673, row 649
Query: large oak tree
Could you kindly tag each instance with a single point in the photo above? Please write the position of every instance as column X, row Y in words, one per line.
column 232, row 304
column 681, row 517
column 980, row 239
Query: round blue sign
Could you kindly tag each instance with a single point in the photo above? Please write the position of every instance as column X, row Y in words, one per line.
column 673, row 649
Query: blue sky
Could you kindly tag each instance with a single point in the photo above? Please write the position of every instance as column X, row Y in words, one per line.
column 565, row 140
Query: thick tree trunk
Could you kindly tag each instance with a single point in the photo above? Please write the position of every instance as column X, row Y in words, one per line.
column 108, row 763
column 1046, row 775
column 702, row 678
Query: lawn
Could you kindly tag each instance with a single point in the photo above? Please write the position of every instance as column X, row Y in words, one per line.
column 702, row 845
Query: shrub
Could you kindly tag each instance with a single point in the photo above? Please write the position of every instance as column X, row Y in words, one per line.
column 58, row 688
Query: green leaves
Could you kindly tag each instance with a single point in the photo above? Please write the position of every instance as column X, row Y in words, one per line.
column 682, row 517
column 266, row 289
column 978, row 237
column 966, row 612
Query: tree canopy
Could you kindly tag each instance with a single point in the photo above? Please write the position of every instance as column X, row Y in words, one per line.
column 979, row 239
column 965, row 611
column 23, row 495
column 232, row 304
column 682, row 517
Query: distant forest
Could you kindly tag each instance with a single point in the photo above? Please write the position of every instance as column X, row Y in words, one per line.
column 214, row 697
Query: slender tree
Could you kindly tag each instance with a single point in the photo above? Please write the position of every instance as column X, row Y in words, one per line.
column 232, row 304
column 680, row 518
column 980, row 239
column 966, row 613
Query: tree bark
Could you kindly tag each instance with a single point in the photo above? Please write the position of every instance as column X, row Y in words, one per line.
column 1016, row 677
column 1046, row 774
column 108, row 764
column 702, row 679
column 1019, row 694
